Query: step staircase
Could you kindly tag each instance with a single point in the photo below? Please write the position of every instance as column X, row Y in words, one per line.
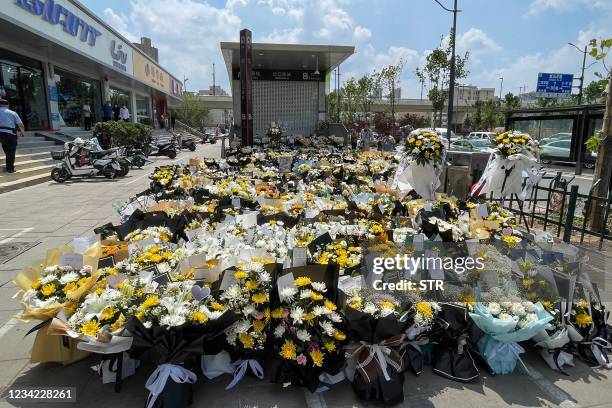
column 33, row 162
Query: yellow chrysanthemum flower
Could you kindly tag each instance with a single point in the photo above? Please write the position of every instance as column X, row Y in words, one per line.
column 241, row 275
column 90, row 328
column 48, row 289
column 258, row 325
column 277, row 313
column 69, row 287
column 329, row 346
column 338, row 335
column 317, row 357
column 316, row 296
column 108, row 312
column 302, row 281
column 150, row 301
column 246, row 340
column 36, row 284
column 583, row 320
column 199, row 317
column 424, row 308
column 330, row 305
column 288, row 350
column 217, row 306
column 259, row 298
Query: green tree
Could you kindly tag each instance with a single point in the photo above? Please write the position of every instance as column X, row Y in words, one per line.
column 511, row 101
column 366, row 86
column 192, row 111
column 492, row 115
column 349, row 100
column 437, row 72
column 595, row 91
column 603, row 167
column 476, row 117
column 389, row 79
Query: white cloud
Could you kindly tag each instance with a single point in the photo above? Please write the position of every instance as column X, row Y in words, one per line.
column 361, row 33
column 286, row 36
column 278, row 11
column 187, row 34
column 540, row 6
column 335, row 21
column 296, row 14
column 476, row 41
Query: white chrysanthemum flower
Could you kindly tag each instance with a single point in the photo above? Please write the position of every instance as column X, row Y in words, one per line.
column 47, row 279
column 369, row 308
column 504, row 316
column 242, row 326
column 386, row 311
column 506, row 305
column 287, row 294
column 305, row 293
column 318, row 286
column 303, row 335
column 279, row 331
column 335, row 317
column 148, row 325
column 214, row 314
column 69, row 277
column 327, row 327
column 320, row 310
column 249, row 309
column 264, row 277
column 297, row 314
column 529, row 307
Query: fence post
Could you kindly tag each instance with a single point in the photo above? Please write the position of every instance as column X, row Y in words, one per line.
column 571, row 207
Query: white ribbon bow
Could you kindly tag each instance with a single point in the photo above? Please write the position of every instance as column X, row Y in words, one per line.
column 157, row 381
column 240, row 368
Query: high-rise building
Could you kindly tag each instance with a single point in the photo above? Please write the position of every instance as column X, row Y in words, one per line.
column 146, row 47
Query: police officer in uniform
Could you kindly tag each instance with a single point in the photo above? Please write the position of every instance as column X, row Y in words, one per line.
column 10, row 123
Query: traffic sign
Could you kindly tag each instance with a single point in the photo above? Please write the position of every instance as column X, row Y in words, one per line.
column 554, row 85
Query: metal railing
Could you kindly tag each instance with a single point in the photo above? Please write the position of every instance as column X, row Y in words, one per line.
column 554, row 203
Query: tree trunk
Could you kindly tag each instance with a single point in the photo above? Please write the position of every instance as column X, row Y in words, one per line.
column 603, row 169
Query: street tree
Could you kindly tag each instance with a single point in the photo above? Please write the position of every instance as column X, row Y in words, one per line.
column 192, row 111
column 595, row 91
column 389, row 79
column 599, row 49
column 437, row 72
column 366, row 87
column 511, row 101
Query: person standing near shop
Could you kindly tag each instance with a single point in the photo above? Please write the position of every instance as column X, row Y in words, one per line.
column 107, row 112
column 124, row 114
column 388, row 143
column 116, row 111
column 10, row 122
column 87, row 115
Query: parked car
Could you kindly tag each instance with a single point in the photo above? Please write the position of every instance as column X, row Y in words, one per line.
column 473, row 145
column 558, row 150
column 482, row 135
column 556, row 137
column 442, row 133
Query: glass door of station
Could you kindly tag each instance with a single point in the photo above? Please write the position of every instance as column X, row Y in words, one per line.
column 23, row 87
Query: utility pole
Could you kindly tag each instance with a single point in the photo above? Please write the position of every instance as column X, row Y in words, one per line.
column 185, row 79
column 501, row 88
column 214, row 79
column 451, row 85
column 338, row 91
column 584, row 55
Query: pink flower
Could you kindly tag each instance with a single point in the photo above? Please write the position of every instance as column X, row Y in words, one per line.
column 259, row 315
column 285, row 313
column 293, row 329
column 301, row 359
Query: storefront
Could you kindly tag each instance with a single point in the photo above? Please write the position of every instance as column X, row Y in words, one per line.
column 56, row 56
column 22, row 84
column 74, row 91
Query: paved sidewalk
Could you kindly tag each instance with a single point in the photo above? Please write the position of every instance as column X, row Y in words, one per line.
column 53, row 214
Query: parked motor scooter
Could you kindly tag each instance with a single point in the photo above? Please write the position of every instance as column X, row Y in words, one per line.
column 100, row 153
column 80, row 159
column 167, row 148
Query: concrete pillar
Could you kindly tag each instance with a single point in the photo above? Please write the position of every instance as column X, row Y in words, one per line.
column 133, row 106
column 106, row 95
column 54, row 112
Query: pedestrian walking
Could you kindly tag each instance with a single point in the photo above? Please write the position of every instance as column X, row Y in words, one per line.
column 124, row 113
column 10, row 124
column 107, row 112
column 367, row 139
column 116, row 111
column 388, row 143
column 87, row 115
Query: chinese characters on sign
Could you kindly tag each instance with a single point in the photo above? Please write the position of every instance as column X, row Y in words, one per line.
column 554, row 85
column 284, row 75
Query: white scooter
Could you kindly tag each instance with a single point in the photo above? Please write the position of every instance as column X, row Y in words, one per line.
column 81, row 159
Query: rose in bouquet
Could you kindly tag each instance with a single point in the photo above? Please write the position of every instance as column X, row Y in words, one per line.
column 506, row 323
column 308, row 333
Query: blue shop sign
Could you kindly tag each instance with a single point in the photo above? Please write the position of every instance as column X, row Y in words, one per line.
column 55, row 13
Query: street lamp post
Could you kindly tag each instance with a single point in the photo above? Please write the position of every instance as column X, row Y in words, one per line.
column 451, row 85
column 501, row 88
column 185, row 79
column 584, row 54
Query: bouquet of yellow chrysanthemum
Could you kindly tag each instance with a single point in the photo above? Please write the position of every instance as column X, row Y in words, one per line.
column 515, row 142
column 425, row 146
column 308, row 333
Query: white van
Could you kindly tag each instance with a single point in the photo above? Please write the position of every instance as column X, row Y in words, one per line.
column 482, row 135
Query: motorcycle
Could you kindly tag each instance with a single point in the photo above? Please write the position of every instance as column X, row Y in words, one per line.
column 136, row 157
column 188, row 144
column 81, row 159
column 167, row 148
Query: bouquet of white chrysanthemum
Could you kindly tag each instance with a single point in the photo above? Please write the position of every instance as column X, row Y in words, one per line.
column 157, row 234
column 307, row 333
column 272, row 237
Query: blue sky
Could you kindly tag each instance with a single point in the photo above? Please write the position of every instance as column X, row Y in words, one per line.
column 515, row 39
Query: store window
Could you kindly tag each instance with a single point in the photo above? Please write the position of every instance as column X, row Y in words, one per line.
column 143, row 111
column 73, row 92
column 119, row 97
column 22, row 84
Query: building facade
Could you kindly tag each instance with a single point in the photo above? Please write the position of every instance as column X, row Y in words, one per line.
column 290, row 83
column 56, row 55
column 147, row 47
